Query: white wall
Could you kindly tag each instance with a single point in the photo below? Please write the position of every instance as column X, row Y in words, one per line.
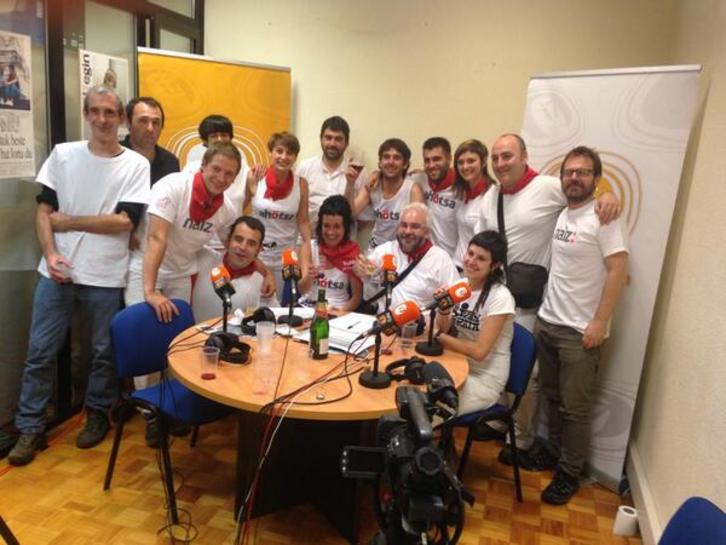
column 418, row 68
column 460, row 69
column 679, row 434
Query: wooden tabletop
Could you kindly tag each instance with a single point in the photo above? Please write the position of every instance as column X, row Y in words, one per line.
column 242, row 386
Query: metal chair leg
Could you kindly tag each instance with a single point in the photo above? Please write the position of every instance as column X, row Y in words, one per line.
column 6, row 534
column 168, row 474
column 195, row 434
column 465, row 453
column 515, row 461
column 121, row 420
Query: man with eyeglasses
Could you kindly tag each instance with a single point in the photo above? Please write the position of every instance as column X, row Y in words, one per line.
column 589, row 269
column 530, row 203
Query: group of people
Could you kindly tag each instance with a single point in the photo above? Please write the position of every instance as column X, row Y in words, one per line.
column 121, row 223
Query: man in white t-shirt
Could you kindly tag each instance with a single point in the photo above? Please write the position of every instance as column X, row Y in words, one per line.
column 243, row 245
column 433, row 270
column 327, row 174
column 93, row 194
column 436, row 182
column 531, row 203
column 589, row 269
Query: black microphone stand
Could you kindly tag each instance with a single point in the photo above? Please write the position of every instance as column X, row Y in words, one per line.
column 226, row 308
column 372, row 378
column 432, row 347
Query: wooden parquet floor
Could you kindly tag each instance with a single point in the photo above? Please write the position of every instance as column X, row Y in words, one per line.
column 58, row 499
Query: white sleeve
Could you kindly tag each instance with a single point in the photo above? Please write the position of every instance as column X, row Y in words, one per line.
column 499, row 301
column 612, row 238
column 164, row 200
column 137, row 187
column 49, row 171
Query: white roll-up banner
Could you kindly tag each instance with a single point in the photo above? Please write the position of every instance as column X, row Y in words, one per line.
column 639, row 120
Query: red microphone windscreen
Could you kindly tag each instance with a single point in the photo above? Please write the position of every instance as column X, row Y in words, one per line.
column 406, row 312
column 460, row 291
column 289, row 257
column 389, row 262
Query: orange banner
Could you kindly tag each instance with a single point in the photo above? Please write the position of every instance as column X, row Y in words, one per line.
column 191, row 87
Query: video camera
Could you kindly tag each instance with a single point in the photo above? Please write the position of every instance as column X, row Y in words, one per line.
column 417, row 497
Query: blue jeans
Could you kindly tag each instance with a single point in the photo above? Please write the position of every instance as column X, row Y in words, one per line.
column 53, row 306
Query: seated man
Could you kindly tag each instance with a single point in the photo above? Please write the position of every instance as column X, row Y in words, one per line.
column 243, row 245
column 432, row 266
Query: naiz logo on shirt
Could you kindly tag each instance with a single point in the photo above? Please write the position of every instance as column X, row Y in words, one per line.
column 386, row 214
column 435, row 197
column 202, row 226
column 276, row 215
column 565, row 235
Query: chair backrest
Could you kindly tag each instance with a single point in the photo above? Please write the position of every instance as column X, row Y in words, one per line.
column 524, row 354
column 697, row 522
column 140, row 341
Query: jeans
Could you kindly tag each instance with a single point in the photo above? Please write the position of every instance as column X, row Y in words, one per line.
column 53, row 306
column 567, row 377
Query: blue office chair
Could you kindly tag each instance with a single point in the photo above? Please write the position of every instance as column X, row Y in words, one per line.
column 697, row 522
column 140, row 345
column 524, row 354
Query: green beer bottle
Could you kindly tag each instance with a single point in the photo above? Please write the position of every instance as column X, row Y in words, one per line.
column 320, row 329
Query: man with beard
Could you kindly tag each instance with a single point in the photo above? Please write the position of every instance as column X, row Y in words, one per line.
column 589, row 269
column 434, row 267
column 530, row 203
column 437, row 182
column 328, row 174
column 388, row 191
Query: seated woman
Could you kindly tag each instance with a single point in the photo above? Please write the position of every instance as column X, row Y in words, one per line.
column 338, row 253
column 280, row 201
column 482, row 327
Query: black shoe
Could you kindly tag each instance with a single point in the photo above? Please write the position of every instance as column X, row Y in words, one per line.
column 24, row 450
column 94, row 431
column 505, row 455
column 538, row 458
column 153, row 432
column 561, row 489
column 484, row 432
column 7, row 442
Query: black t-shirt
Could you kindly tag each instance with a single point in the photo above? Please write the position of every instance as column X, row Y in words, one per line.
column 165, row 162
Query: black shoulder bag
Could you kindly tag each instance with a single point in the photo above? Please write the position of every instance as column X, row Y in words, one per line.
column 525, row 281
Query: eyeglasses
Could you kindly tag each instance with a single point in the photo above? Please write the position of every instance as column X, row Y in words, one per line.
column 580, row 172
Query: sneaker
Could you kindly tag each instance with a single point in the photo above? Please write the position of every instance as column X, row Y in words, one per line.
column 24, row 450
column 538, row 458
column 94, row 431
column 505, row 455
column 7, row 442
column 561, row 489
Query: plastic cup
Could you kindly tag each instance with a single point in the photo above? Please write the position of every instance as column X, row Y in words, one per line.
column 408, row 333
column 265, row 333
column 210, row 362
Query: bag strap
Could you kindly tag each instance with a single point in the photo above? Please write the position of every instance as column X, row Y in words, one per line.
column 500, row 224
column 400, row 278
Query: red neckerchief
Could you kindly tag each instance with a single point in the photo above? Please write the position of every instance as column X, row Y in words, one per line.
column 202, row 206
column 236, row 273
column 473, row 192
column 342, row 256
column 420, row 251
column 445, row 183
column 527, row 177
column 277, row 189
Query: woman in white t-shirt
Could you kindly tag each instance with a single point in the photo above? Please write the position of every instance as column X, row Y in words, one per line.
column 343, row 289
column 280, row 201
column 482, row 327
column 470, row 186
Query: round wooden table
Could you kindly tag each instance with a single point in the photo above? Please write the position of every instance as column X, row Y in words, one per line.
column 304, row 462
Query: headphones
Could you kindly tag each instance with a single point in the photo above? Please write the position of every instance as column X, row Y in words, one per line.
column 297, row 321
column 262, row 314
column 412, row 370
column 231, row 349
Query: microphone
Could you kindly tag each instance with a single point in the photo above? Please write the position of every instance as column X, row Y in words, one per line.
column 290, row 265
column 392, row 320
column 440, row 385
column 456, row 293
column 221, row 281
column 390, row 275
